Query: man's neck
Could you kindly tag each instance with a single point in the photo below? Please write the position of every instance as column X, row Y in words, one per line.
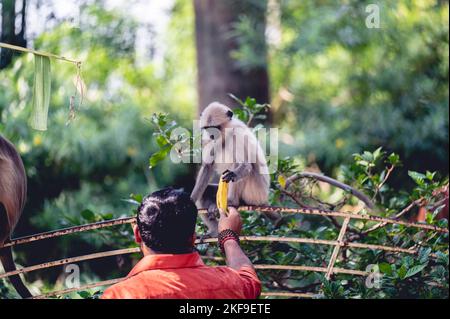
column 149, row 252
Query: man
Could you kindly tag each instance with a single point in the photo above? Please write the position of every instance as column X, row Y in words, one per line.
column 171, row 268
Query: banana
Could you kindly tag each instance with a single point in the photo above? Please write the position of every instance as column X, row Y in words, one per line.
column 222, row 196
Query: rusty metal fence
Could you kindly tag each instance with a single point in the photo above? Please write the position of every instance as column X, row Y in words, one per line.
column 338, row 244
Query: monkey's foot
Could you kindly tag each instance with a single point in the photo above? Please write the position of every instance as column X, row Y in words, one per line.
column 213, row 212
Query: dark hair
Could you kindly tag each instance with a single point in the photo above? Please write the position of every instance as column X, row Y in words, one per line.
column 166, row 221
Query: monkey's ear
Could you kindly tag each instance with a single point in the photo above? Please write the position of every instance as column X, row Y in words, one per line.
column 230, row 114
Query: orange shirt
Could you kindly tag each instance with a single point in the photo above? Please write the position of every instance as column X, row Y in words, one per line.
column 184, row 277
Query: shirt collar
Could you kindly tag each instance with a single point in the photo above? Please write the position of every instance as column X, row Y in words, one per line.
column 167, row 261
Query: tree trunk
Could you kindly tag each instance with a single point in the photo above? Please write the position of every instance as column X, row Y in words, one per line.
column 8, row 30
column 20, row 37
column 218, row 72
column 8, row 34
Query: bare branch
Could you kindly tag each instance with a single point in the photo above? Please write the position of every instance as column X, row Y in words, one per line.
column 366, row 200
column 379, row 186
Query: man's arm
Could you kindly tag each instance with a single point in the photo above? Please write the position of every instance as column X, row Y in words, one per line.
column 236, row 257
column 234, row 254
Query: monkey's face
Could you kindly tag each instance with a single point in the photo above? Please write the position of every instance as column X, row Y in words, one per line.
column 213, row 121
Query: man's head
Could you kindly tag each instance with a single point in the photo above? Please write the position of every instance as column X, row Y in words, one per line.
column 166, row 221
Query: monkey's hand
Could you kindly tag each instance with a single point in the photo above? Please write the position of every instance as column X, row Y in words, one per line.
column 229, row 176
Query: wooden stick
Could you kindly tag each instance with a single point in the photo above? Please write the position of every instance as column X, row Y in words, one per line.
column 336, row 249
column 289, row 295
column 70, row 230
column 400, row 214
column 50, row 55
column 262, row 209
column 342, row 214
column 312, row 268
column 75, row 289
column 65, row 261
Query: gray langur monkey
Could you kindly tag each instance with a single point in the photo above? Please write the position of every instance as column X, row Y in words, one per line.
column 13, row 192
column 229, row 149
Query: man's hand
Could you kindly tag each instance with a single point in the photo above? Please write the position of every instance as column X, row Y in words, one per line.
column 234, row 255
column 232, row 221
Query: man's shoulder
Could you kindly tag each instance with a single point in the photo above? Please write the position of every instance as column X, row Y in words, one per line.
column 128, row 288
column 245, row 270
column 244, row 279
column 202, row 281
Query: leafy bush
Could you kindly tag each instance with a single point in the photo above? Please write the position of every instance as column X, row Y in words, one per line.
column 392, row 274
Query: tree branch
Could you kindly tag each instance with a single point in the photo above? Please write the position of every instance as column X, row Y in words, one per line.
column 366, row 200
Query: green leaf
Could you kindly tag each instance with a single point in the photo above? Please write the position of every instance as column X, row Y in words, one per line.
column 158, row 157
column 414, row 270
column 367, row 156
column 378, row 153
column 161, row 141
column 363, row 163
column 107, row 216
column 88, row 215
column 41, row 92
column 402, row 272
column 424, row 254
column 430, row 175
column 159, row 119
column 84, row 294
column 418, row 178
column 442, row 258
column 137, row 197
column 394, row 159
column 241, row 114
column 385, row 268
column 250, row 103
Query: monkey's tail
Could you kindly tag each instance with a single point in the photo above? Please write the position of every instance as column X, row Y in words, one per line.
column 7, row 260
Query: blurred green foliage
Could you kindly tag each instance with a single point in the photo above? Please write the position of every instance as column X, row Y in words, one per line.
column 353, row 88
column 338, row 88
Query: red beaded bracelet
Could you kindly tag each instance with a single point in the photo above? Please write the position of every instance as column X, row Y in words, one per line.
column 226, row 235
